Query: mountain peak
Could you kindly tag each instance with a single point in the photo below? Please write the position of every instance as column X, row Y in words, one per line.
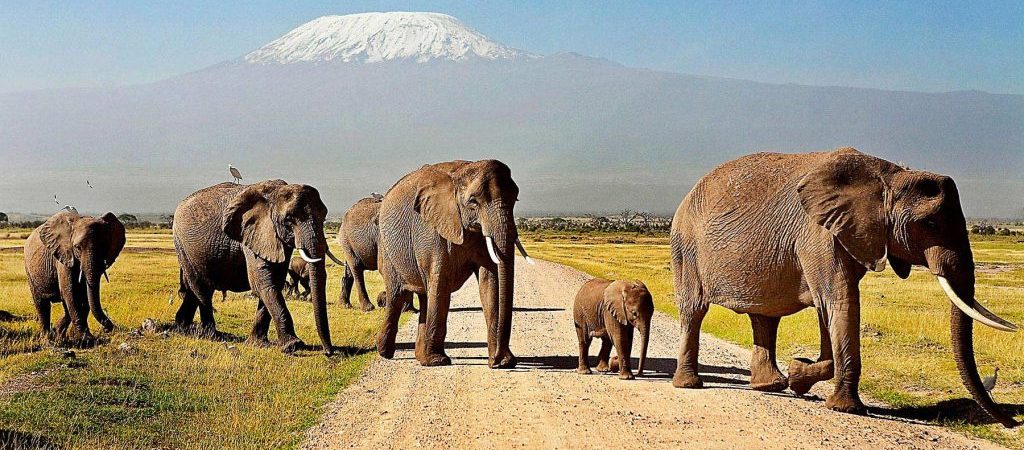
column 381, row 36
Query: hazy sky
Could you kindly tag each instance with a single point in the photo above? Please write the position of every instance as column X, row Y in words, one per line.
column 923, row 46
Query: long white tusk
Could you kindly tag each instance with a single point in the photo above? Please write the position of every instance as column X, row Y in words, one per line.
column 80, row 273
column 522, row 250
column 490, row 250
column 333, row 258
column 994, row 321
column 306, row 257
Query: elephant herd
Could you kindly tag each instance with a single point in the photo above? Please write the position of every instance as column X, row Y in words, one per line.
column 765, row 235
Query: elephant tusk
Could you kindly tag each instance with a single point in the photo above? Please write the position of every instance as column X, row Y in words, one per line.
column 333, row 258
column 80, row 273
column 490, row 250
column 306, row 257
column 522, row 250
column 977, row 312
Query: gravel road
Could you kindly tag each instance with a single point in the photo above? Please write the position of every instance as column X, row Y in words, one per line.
column 544, row 403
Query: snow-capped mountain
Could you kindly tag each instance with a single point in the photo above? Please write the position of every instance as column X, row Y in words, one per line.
column 381, row 36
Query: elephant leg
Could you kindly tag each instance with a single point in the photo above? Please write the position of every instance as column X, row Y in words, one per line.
column 764, row 370
column 690, row 318
column 421, row 327
column 393, row 301
column 804, row 373
column 260, row 326
column 43, row 313
column 186, row 314
column 602, row 356
column 205, row 304
column 585, row 339
column 488, row 283
column 843, row 319
column 364, row 297
column 283, row 324
column 437, row 324
column 77, row 306
column 60, row 331
column 344, row 299
column 623, row 339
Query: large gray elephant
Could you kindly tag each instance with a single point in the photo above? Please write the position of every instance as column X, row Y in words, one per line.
column 438, row 226
column 770, row 234
column 232, row 237
column 64, row 259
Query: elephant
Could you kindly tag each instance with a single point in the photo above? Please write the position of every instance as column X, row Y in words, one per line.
column 64, row 259
column 439, row 225
column 358, row 240
column 298, row 274
column 609, row 310
column 231, row 237
column 770, row 234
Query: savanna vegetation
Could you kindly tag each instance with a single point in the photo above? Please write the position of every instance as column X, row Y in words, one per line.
column 156, row 388
column 908, row 363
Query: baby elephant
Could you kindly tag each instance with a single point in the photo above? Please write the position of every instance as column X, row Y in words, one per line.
column 609, row 310
column 298, row 272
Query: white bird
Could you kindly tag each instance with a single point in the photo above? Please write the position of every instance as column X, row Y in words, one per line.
column 377, row 195
column 87, row 183
column 989, row 383
column 70, row 209
column 235, row 173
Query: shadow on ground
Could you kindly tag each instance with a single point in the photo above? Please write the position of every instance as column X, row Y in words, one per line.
column 16, row 440
column 952, row 410
column 514, row 309
column 657, row 368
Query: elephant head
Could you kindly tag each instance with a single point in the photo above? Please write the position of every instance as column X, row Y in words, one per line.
column 461, row 198
column 880, row 212
column 273, row 218
column 88, row 246
column 631, row 304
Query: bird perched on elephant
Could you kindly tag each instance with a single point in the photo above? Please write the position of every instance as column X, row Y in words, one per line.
column 298, row 277
column 439, row 225
column 64, row 259
column 770, row 234
column 609, row 310
column 357, row 238
column 231, row 237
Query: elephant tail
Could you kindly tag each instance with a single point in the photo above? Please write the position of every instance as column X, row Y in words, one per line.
column 182, row 288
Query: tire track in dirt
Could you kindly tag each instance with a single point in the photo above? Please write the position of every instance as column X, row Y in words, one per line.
column 544, row 403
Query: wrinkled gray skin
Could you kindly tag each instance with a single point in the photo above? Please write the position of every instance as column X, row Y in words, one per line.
column 433, row 224
column 770, row 234
column 65, row 259
column 609, row 310
column 357, row 239
column 231, row 237
column 298, row 276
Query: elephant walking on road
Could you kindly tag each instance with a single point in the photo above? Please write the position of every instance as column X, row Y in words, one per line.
column 358, row 240
column 64, row 259
column 439, row 225
column 231, row 237
column 770, row 234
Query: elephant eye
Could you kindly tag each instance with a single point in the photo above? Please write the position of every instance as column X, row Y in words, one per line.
column 472, row 200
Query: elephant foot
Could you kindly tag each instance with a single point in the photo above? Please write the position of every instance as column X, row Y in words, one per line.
column 768, row 380
column 603, row 366
column 367, row 307
column 293, row 346
column 436, row 359
column 687, row 380
column 346, row 305
column 503, row 359
column 108, row 326
column 613, row 364
column 583, row 370
column 385, row 350
column 86, row 340
column 804, row 373
column 626, row 376
column 845, row 403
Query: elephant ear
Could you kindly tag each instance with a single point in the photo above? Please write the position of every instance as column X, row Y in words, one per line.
column 437, row 204
column 249, row 219
column 117, row 237
column 615, row 301
column 845, row 195
column 56, row 234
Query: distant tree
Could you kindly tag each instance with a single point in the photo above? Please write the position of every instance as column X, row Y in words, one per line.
column 3, row 219
column 168, row 219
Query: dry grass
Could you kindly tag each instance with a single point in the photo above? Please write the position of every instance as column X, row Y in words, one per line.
column 169, row 391
column 905, row 325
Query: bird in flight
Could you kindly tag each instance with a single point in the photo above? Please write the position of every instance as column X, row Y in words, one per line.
column 55, row 199
column 235, row 173
column 87, row 183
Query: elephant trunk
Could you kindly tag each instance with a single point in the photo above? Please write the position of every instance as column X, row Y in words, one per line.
column 92, row 269
column 503, row 235
column 956, row 275
column 313, row 245
column 645, row 331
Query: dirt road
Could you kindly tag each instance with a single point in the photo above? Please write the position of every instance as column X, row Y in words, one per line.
column 544, row 403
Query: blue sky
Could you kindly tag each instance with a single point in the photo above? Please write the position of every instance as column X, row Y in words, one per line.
column 922, row 46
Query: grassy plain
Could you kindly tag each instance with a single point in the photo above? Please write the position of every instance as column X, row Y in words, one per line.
column 169, row 390
column 907, row 359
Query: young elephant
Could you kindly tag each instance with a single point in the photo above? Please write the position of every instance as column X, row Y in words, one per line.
column 609, row 310
column 64, row 259
column 298, row 274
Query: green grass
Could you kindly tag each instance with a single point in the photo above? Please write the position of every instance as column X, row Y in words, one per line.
column 169, row 391
column 905, row 324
